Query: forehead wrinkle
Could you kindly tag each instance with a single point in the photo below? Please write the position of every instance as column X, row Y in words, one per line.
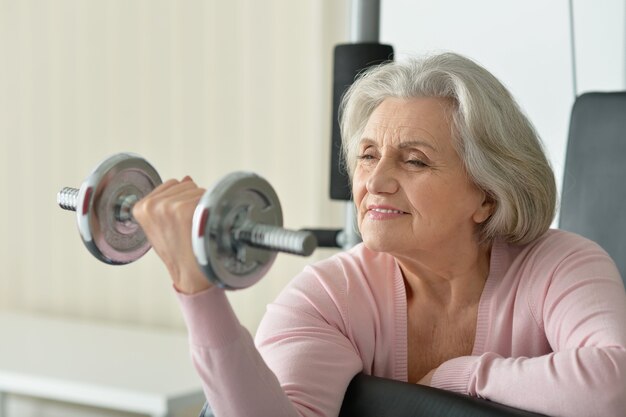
column 406, row 135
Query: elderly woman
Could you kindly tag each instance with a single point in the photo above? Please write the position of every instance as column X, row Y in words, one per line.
column 458, row 283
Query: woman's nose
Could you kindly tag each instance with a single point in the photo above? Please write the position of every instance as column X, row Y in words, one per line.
column 382, row 179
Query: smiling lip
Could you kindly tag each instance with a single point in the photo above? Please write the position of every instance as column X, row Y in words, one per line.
column 383, row 212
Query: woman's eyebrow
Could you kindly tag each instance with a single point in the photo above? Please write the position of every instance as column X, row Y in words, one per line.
column 413, row 143
column 366, row 141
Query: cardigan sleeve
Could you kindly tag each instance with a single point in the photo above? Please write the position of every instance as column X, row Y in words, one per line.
column 582, row 309
column 301, row 366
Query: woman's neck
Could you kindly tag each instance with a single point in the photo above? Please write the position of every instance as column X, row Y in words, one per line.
column 451, row 282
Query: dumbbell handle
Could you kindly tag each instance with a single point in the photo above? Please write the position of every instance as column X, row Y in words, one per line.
column 259, row 235
column 277, row 238
column 67, row 199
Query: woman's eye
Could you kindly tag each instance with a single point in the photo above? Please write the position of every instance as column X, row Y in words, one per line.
column 416, row 163
column 365, row 157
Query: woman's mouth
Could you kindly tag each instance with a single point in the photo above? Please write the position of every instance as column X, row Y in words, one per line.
column 384, row 213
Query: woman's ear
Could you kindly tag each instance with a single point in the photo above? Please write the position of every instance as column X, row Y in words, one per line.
column 486, row 209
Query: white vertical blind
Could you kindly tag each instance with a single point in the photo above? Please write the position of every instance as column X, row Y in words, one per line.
column 197, row 87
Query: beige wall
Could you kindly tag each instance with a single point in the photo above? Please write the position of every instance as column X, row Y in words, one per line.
column 197, row 87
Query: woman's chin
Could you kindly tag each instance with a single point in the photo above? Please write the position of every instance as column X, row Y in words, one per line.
column 382, row 244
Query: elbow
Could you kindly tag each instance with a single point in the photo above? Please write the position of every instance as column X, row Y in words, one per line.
column 618, row 406
column 601, row 400
column 596, row 388
column 610, row 401
column 616, row 390
column 608, row 395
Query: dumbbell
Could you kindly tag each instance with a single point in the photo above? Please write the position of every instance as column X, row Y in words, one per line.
column 236, row 231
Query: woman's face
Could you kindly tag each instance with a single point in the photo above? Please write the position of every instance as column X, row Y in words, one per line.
column 410, row 187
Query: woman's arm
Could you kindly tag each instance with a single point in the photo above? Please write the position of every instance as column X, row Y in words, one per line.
column 582, row 309
column 314, row 359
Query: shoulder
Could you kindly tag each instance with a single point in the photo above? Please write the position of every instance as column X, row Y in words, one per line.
column 558, row 249
column 353, row 266
column 355, row 273
column 563, row 242
column 570, row 259
column 358, row 283
column 559, row 256
column 560, row 266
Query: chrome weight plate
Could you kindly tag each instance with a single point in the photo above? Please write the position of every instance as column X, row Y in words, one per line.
column 237, row 201
column 114, row 185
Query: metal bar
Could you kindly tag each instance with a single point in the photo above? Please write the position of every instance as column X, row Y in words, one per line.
column 364, row 27
column 350, row 236
column 572, row 34
column 365, row 21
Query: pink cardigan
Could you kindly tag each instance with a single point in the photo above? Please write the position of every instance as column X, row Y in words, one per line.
column 550, row 337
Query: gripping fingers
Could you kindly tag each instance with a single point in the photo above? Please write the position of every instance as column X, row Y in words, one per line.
column 163, row 196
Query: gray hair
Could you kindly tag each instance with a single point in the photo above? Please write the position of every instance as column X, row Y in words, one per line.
column 498, row 145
